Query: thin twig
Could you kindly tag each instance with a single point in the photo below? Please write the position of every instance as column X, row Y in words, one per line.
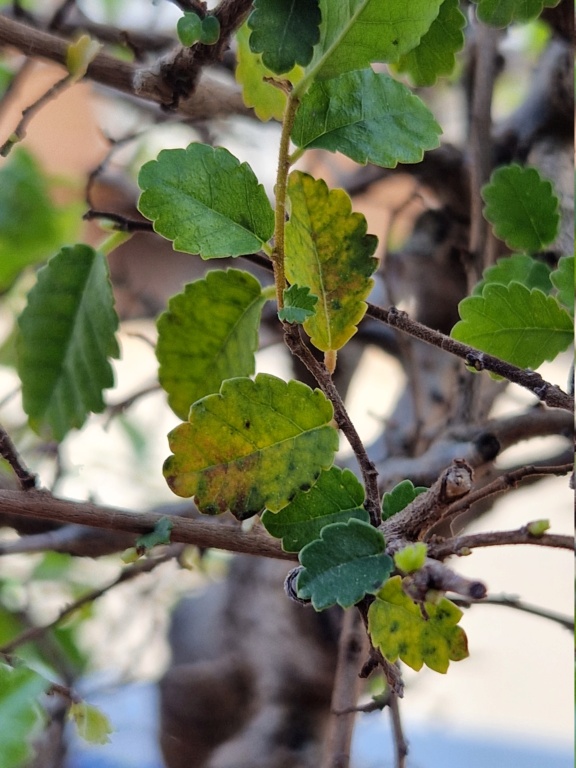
column 550, row 394
column 509, row 601
column 34, row 633
column 8, row 451
column 28, row 113
column 461, row 545
column 347, row 684
column 322, row 376
column 400, row 743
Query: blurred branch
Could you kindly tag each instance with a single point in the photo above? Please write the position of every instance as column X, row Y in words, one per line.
column 8, row 451
column 509, row 601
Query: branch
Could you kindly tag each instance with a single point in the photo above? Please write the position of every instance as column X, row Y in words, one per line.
column 461, row 545
column 504, row 483
column 429, row 507
column 8, row 451
column 510, row 601
column 352, row 643
column 211, row 98
column 320, row 373
column 550, row 394
column 204, row 534
column 34, row 633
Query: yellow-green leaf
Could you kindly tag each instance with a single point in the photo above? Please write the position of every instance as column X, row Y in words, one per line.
column 328, row 250
column 400, row 631
column 254, row 444
column 91, row 723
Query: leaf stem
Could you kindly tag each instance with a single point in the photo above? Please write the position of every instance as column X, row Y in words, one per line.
column 281, row 191
column 115, row 240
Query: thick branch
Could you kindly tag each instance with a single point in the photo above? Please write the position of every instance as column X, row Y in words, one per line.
column 42, row 505
column 211, row 98
column 481, row 361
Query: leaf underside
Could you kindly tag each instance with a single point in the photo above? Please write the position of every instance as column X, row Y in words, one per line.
column 519, row 268
column 67, row 335
column 254, row 444
column 500, row 13
column 356, row 33
column 208, row 334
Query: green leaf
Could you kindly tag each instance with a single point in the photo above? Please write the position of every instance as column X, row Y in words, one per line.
column 206, row 201
column 160, row 535
column 267, row 100
column 20, row 713
column 25, row 198
column 356, row 33
column 91, row 723
column 299, row 304
column 563, row 280
column 398, row 629
column 369, row 117
column 523, row 327
column 336, row 497
column 254, row 444
column 284, row 32
column 209, row 333
column 519, row 268
column 189, row 29
column 210, row 33
column 67, row 334
column 501, row 13
column 435, row 54
column 522, row 207
column 328, row 250
column 347, row 562
column 399, row 497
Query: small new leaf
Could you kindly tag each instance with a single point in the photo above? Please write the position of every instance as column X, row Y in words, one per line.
column 336, row 497
column 399, row 497
column 299, row 304
column 369, row 117
column 91, row 723
column 347, row 562
column 523, row 327
column 254, row 444
column 522, row 208
column 563, row 280
column 398, row 628
column 80, row 54
column 209, row 333
column 538, row 528
column 206, row 201
column 189, row 29
column 328, row 250
column 357, row 33
column 435, row 54
column 67, row 335
column 412, row 557
column 284, row 32
column 210, row 32
column 501, row 13
column 520, row 268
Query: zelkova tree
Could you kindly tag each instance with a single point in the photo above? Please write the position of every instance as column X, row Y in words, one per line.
column 489, row 274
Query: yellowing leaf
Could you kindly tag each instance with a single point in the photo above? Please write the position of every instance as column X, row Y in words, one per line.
column 80, row 54
column 328, row 250
column 254, row 444
column 398, row 628
column 267, row 100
